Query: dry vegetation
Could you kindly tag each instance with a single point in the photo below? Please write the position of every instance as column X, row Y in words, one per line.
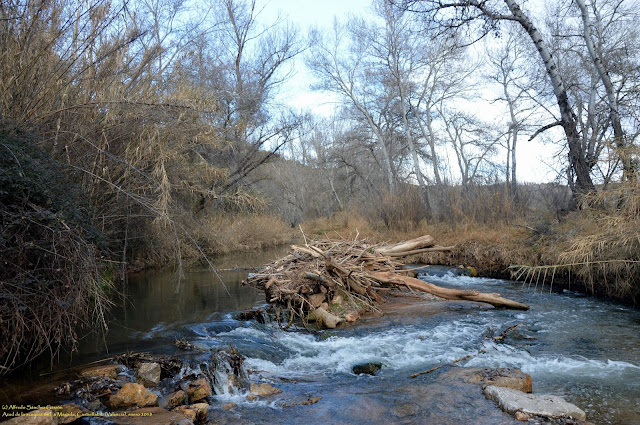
column 332, row 281
column 162, row 143
column 595, row 249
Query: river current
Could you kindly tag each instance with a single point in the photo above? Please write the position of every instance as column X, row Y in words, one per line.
column 583, row 349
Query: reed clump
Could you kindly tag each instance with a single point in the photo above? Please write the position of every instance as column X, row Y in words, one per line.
column 50, row 278
column 596, row 248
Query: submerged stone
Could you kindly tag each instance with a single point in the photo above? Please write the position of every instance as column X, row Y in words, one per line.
column 264, row 389
column 499, row 377
column 108, row 371
column 512, row 401
column 367, row 368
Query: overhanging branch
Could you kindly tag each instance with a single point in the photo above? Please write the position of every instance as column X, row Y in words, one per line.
column 545, row 128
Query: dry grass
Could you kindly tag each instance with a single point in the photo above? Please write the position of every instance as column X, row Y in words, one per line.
column 221, row 234
column 490, row 248
column 598, row 247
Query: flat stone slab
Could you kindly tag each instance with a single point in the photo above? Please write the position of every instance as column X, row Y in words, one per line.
column 512, row 401
column 499, row 377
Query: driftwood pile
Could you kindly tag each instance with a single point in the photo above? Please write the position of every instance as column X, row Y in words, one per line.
column 331, row 281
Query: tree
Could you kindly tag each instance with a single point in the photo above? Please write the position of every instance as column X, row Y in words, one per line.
column 508, row 70
column 488, row 13
column 395, row 48
column 342, row 67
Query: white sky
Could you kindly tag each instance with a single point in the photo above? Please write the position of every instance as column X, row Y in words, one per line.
column 533, row 158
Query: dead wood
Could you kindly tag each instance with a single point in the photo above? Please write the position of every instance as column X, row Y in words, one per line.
column 346, row 278
column 425, row 241
column 447, row 293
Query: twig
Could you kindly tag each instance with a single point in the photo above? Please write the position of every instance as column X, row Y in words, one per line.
column 468, row 356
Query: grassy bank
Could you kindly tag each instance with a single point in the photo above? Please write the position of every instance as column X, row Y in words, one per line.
column 595, row 250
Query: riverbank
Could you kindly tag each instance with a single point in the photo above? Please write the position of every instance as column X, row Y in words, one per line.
column 588, row 251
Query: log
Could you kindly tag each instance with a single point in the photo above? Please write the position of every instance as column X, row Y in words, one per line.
column 435, row 248
column 425, row 241
column 327, row 319
column 448, row 294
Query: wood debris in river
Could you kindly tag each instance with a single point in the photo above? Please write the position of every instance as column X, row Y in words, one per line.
column 330, row 281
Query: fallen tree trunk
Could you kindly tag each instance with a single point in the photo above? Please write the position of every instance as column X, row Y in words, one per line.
column 425, row 241
column 448, row 294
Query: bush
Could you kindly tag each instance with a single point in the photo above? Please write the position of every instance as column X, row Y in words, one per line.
column 49, row 277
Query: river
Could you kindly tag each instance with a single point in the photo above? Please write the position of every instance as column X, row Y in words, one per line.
column 582, row 349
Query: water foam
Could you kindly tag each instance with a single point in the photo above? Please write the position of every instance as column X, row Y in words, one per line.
column 503, row 355
column 396, row 348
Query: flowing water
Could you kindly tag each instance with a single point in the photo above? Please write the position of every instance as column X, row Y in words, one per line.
column 582, row 349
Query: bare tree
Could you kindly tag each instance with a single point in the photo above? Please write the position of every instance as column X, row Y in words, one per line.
column 394, row 46
column 341, row 66
column 508, row 70
column 467, row 14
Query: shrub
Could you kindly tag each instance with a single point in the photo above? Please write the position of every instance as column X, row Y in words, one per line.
column 49, row 278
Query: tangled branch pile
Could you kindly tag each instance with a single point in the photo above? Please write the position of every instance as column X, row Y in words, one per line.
column 330, row 281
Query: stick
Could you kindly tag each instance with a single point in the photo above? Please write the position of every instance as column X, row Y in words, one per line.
column 468, row 356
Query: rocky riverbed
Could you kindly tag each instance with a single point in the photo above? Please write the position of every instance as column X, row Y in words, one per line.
column 580, row 349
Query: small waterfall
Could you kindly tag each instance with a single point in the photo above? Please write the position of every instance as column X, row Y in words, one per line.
column 229, row 375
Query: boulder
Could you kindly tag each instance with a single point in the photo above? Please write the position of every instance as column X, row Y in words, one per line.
column 133, row 395
column 201, row 409
column 148, row 374
column 107, row 371
column 229, row 406
column 500, row 377
column 151, row 416
column 172, row 400
column 187, row 412
column 512, row 401
column 367, row 368
column 199, row 389
column 264, row 389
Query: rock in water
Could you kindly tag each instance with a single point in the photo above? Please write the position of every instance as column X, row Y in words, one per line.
column 149, row 374
column 187, row 412
column 109, row 371
column 512, row 401
column 172, row 400
column 264, row 389
column 133, row 395
column 367, row 368
column 199, row 389
column 201, row 410
column 499, row 377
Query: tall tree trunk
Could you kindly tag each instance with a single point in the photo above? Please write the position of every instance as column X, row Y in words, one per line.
column 618, row 132
column 414, row 153
column 429, row 135
column 577, row 159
